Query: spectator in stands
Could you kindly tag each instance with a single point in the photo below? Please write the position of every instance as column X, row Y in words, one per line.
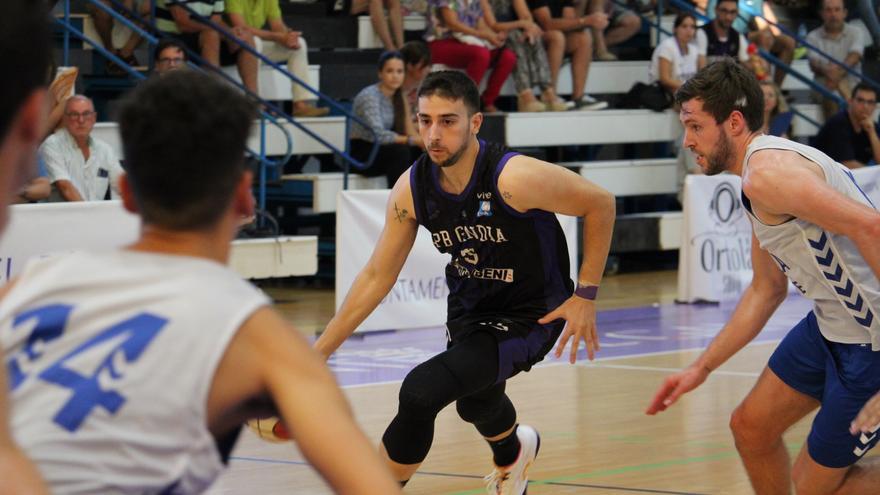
column 80, row 166
column 376, row 9
column 751, row 22
column 170, row 55
column 278, row 43
column 623, row 24
column 459, row 37
column 525, row 38
column 677, row 58
column 417, row 64
column 842, row 42
column 560, row 15
column 173, row 18
column 718, row 39
column 115, row 35
column 850, row 136
column 383, row 107
column 777, row 116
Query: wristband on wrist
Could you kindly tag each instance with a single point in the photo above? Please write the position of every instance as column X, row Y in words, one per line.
column 588, row 292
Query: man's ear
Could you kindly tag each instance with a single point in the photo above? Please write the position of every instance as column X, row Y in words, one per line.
column 476, row 122
column 127, row 194
column 243, row 201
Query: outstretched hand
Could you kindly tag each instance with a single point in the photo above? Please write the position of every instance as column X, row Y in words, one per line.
column 580, row 316
column 675, row 385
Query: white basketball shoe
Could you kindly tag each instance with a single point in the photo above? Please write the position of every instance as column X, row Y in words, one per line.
column 514, row 479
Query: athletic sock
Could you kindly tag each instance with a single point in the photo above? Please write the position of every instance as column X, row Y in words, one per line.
column 506, row 450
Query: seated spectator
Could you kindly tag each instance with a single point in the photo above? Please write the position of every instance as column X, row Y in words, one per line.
column 80, row 167
column 417, row 64
column 677, row 58
column 115, row 35
column 459, row 38
column 278, row 43
column 777, row 116
column 751, row 22
column 170, row 55
column 174, row 20
column 560, row 15
column 525, row 38
column 850, row 136
column 384, row 109
column 842, row 42
column 376, row 9
column 718, row 39
column 623, row 24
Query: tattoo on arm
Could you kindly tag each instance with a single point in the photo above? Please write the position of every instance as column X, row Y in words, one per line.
column 400, row 213
column 506, row 195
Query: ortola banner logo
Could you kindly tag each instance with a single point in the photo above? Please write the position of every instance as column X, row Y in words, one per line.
column 725, row 208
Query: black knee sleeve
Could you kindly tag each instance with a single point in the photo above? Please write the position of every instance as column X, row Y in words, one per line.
column 425, row 391
column 491, row 413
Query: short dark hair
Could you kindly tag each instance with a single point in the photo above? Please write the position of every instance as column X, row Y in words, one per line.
column 25, row 53
column 184, row 138
column 863, row 86
column 726, row 86
column 453, row 85
column 415, row 53
column 168, row 43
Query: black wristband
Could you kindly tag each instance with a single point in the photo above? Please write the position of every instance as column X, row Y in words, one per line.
column 588, row 292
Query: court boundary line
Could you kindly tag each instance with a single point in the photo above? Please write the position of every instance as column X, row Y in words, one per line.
column 595, row 363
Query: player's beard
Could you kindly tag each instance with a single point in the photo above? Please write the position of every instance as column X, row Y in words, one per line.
column 455, row 157
column 717, row 161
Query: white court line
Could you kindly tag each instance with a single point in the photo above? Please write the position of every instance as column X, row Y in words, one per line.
column 601, row 362
column 666, row 370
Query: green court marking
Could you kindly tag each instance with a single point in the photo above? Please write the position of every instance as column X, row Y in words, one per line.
column 621, row 470
column 638, row 439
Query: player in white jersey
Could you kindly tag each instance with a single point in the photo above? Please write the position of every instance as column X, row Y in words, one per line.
column 812, row 224
column 24, row 52
column 132, row 370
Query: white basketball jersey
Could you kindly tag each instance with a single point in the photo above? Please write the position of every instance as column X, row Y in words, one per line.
column 824, row 266
column 110, row 359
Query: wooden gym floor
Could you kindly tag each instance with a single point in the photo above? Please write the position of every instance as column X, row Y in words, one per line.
column 595, row 437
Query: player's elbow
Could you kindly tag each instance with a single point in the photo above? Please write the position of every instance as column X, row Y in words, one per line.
column 602, row 204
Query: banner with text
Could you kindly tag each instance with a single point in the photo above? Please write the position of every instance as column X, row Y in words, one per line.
column 418, row 298
column 714, row 262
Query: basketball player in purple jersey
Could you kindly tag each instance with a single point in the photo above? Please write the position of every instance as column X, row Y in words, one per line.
column 493, row 211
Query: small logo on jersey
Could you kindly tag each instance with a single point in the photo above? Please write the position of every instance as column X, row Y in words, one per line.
column 485, row 209
column 497, row 325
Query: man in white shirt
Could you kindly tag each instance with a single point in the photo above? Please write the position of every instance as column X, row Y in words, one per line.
column 81, row 167
column 842, row 42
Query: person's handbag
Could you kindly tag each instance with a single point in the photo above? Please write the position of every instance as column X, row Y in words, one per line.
column 650, row 96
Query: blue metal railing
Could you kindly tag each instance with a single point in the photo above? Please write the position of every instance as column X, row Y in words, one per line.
column 344, row 154
column 260, row 155
column 348, row 160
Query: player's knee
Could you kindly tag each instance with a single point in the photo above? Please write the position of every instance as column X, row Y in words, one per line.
column 472, row 411
column 419, row 396
column 746, row 432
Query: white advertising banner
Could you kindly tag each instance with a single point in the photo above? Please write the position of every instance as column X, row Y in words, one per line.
column 714, row 262
column 39, row 229
column 418, row 298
